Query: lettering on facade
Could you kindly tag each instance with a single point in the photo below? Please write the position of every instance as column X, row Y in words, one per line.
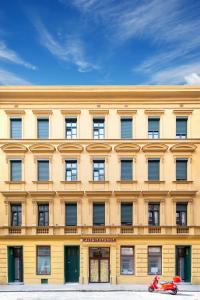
column 98, row 240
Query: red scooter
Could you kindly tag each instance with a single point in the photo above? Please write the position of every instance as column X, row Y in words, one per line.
column 165, row 286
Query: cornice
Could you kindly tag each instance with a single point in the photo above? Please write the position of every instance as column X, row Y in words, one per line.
column 42, row 112
column 70, row 193
column 183, row 112
column 14, row 148
column 15, row 112
column 126, row 112
column 99, row 148
column 183, row 147
column 155, row 147
column 42, row 193
column 42, row 148
column 96, row 194
column 70, row 112
column 183, row 193
column 14, row 193
column 127, row 193
column 70, row 148
column 127, row 147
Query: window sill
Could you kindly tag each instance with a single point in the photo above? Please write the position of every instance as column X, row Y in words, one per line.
column 182, row 181
column 126, row 181
column 42, row 182
column 70, row 182
column 155, row 181
column 14, row 182
column 99, row 181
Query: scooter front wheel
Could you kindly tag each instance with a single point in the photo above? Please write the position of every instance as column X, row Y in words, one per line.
column 174, row 292
column 150, row 289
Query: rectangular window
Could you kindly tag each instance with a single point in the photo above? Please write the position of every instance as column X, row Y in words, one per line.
column 15, row 170
column 126, row 214
column 154, row 260
column 98, row 170
column 71, row 170
column 43, row 260
column 153, row 128
column 16, row 215
column 15, row 128
column 181, row 127
column 126, row 128
column 71, row 214
column 98, row 214
column 43, row 128
column 154, row 214
column 127, row 260
column 181, row 168
column 43, row 170
column 71, row 128
column 98, row 128
column 153, row 169
column 181, row 214
column 126, row 169
column 43, row 214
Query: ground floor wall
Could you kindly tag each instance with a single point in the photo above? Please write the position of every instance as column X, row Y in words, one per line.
column 58, row 265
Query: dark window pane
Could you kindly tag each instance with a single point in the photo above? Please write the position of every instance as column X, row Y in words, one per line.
column 126, row 170
column 16, row 215
column 43, row 215
column 181, row 169
column 16, row 128
column 181, row 214
column 153, row 128
column 43, row 260
column 71, row 128
column 71, row 214
column 126, row 213
column 98, row 214
column 181, row 127
column 154, row 214
column 153, row 169
column 154, row 260
column 71, row 170
column 127, row 260
column 43, row 128
column 126, row 128
column 98, row 170
column 43, row 170
column 98, row 128
column 15, row 170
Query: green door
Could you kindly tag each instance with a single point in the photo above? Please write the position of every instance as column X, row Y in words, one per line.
column 15, row 264
column 72, row 264
column 183, row 262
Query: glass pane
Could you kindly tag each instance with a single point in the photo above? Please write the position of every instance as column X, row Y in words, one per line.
column 127, row 265
column 127, row 250
column 43, row 265
column 94, row 270
column 104, row 267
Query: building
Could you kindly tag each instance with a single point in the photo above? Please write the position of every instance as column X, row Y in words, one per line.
column 99, row 184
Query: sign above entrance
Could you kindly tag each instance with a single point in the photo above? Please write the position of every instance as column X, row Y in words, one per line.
column 99, row 240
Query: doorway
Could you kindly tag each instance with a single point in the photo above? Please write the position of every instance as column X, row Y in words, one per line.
column 72, row 264
column 15, row 264
column 183, row 262
column 99, row 265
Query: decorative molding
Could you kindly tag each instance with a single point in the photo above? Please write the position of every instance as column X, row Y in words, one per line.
column 99, row 181
column 127, row 147
column 15, row 112
column 42, row 182
column 70, row 148
column 155, row 147
column 70, row 193
column 98, row 148
column 14, row 148
column 42, row 112
column 42, row 148
column 154, row 181
column 96, row 194
column 126, row 112
column 42, row 193
column 154, row 112
column 183, row 112
column 183, row 147
column 183, row 193
column 14, row 194
column 98, row 112
column 127, row 181
column 182, row 199
column 70, row 112
column 182, row 181
column 154, row 193
column 127, row 193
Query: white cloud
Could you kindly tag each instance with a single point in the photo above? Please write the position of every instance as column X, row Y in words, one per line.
column 71, row 50
column 11, row 56
column 9, row 78
column 193, row 79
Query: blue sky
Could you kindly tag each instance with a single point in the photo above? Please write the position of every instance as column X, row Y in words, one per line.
column 114, row 42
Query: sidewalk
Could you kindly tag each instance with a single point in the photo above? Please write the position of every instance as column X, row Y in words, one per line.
column 87, row 288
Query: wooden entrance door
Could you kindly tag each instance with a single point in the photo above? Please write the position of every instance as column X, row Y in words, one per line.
column 183, row 262
column 99, row 265
column 15, row 264
column 72, row 264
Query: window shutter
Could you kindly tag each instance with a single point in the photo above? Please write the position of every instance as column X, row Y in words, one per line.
column 181, row 169
column 16, row 128
column 99, row 214
column 153, row 169
column 153, row 124
column 181, row 126
column 43, row 128
column 126, row 170
column 126, row 213
column 126, row 128
column 43, row 170
column 16, row 170
column 71, row 214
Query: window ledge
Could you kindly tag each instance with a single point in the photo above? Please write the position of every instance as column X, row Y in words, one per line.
column 14, row 182
column 71, row 182
column 126, row 181
column 155, row 181
column 99, row 181
column 182, row 181
column 42, row 182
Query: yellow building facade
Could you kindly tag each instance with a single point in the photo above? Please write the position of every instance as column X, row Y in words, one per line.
column 99, row 184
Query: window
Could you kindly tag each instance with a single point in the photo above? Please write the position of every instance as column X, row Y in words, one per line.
column 71, row 214
column 43, row 170
column 43, row 214
column 181, row 214
column 98, row 170
column 154, row 214
column 15, row 128
column 98, row 128
column 71, row 170
column 153, row 169
column 153, row 128
column 43, row 128
column 98, row 214
column 181, row 127
column 154, row 260
column 43, row 260
column 126, row 214
column 16, row 215
column 15, row 170
column 127, row 260
column 181, row 168
column 126, row 169
column 126, row 128
column 71, row 128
